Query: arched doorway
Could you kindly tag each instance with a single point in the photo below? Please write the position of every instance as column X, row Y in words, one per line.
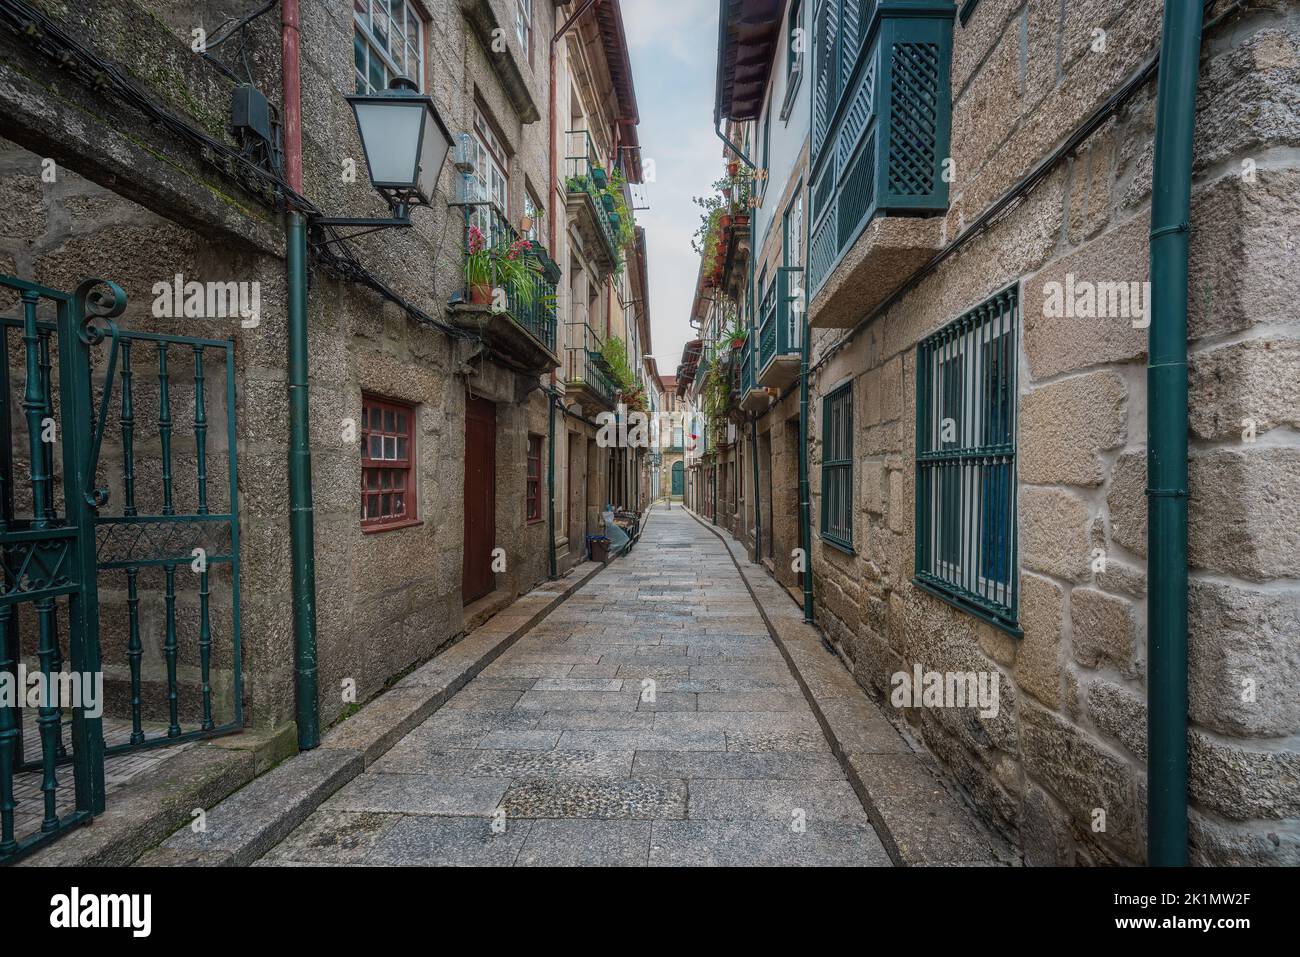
column 679, row 479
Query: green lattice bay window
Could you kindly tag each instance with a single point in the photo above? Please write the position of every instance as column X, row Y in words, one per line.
column 881, row 119
column 837, row 467
column 966, row 461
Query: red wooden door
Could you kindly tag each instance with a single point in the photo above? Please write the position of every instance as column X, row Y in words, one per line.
column 477, row 578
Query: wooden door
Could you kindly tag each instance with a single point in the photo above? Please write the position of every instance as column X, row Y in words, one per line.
column 477, row 578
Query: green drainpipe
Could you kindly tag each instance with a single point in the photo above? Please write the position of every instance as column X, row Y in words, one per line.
column 1171, row 188
column 300, row 502
column 550, row 477
column 805, row 503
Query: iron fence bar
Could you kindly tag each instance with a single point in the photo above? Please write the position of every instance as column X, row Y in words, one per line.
column 134, row 651
column 170, row 649
column 165, row 427
column 200, row 431
column 127, row 419
column 237, row 657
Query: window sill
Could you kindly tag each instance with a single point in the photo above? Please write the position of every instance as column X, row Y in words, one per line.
column 532, row 521
column 961, row 604
column 376, row 529
column 838, row 545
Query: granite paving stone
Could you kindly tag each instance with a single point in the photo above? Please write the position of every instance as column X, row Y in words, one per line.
column 554, row 756
column 586, row 843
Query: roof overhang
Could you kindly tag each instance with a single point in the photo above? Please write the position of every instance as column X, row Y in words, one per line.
column 748, row 34
column 690, row 362
column 613, row 41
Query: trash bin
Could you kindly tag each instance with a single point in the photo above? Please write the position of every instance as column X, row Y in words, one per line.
column 598, row 545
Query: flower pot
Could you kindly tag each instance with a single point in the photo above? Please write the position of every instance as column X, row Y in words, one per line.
column 615, row 221
column 724, row 220
column 733, row 167
column 608, row 202
column 742, row 220
column 738, row 344
column 600, row 176
column 480, row 294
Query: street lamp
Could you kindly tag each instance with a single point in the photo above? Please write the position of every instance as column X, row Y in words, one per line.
column 406, row 145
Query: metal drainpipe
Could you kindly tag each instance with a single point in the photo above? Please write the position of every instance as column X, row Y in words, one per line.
column 550, row 477
column 1171, row 189
column 300, row 499
column 805, row 504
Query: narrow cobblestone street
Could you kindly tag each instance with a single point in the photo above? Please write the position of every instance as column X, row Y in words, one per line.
column 556, row 754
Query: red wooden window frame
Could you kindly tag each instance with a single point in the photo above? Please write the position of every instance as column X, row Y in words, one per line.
column 388, row 480
column 533, row 482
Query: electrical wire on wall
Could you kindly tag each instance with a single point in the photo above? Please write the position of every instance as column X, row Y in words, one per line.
column 265, row 183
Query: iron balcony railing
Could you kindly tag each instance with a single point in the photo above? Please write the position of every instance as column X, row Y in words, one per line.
column 781, row 330
column 881, row 119
column 584, row 365
column 584, row 174
column 531, row 302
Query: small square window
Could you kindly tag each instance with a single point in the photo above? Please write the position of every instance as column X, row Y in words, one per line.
column 387, row 453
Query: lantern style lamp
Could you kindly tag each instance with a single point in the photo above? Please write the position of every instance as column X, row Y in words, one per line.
column 406, row 145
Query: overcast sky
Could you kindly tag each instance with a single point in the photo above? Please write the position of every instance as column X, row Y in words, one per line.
column 674, row 56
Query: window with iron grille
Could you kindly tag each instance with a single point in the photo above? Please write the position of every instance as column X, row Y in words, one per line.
column 966, row 461
column 387, row 451
column 533, row 492
column 837, row 467
column 387, row 41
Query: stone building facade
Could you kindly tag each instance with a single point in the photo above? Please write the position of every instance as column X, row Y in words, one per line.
column 146, row 186
column 1044, row 197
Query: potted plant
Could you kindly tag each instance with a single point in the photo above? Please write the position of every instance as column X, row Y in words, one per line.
column 599, row 176
column 488, row 267
column 736, row 334
column 733, row 167
column 478, row 268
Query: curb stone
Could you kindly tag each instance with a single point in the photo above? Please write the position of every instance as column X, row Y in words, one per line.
column 918, row 819
column 246, row 825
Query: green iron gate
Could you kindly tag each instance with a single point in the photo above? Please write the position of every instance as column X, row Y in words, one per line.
column 115, row 579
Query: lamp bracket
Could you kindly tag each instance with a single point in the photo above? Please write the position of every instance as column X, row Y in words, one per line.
column 371, row 225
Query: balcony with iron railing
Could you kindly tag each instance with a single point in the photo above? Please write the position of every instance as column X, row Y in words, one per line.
column 590, row 201
column 880, row 136
column 515, row 309
column 587, row 376
column 780, row 329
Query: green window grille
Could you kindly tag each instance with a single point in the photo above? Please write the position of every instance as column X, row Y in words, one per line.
column 966, row 461
column 837, row 467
